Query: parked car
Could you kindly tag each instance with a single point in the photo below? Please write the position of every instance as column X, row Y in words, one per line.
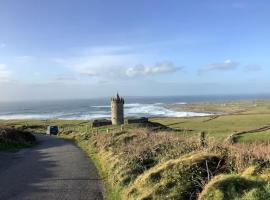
column 52, row 130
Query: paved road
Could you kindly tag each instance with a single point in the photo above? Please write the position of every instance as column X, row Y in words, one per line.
column 54, row 169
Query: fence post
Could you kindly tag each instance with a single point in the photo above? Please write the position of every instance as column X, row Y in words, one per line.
column 203, row 139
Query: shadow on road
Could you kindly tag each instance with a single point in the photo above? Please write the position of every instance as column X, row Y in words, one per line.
column 54, row 169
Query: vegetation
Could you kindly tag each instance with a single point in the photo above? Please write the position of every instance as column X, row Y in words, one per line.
column 220, row 127
column 167, row 159
column 263, row 136
column 11, row 138
column 236, row 187
column 227, row 107
column 142, row 164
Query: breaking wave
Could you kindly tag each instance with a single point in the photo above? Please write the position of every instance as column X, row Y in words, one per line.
column 99, row 111
column 156, row 110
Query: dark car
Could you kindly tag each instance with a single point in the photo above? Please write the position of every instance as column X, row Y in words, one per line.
column 52, row 130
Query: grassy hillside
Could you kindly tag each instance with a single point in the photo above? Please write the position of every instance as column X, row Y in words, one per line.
column 143, row 164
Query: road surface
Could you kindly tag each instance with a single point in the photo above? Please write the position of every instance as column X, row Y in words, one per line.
column 54, row 169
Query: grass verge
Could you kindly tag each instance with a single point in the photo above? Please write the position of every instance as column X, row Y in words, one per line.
column 111, row 191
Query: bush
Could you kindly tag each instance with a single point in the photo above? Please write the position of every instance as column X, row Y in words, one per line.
column 182, row 178
column 11, row 137
column 139, row 150
column 236, row 187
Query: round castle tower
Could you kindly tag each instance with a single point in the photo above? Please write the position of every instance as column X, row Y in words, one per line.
column 117, row 108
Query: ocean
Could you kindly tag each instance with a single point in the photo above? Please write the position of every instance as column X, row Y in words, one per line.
column 100, row 107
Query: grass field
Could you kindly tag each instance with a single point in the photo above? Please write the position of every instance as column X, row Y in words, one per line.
column 219, row 128
column 263, row 136
column 227, row 107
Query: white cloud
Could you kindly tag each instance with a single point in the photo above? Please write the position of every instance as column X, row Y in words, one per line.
column 102, row 65
column 159, row 68
column 99, row 62
column 5, row 75
column 114, row 62
column 24, row 59
column 220, row 66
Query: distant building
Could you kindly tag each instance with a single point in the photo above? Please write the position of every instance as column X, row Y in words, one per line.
column 100, row 122
column 117, row 109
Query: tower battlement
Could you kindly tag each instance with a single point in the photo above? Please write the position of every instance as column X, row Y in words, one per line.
column 118, row 99
column 117, row 109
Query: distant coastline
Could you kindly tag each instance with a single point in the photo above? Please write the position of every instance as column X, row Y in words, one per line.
column 86, row 109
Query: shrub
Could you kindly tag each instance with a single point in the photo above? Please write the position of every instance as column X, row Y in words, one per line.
column 236, row 187
column 181, row 178
column 11, row 137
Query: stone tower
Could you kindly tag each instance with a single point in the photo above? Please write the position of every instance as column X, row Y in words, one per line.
column 117, row 108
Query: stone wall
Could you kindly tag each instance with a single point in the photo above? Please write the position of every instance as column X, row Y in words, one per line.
column 100, row 122
column 136, row 120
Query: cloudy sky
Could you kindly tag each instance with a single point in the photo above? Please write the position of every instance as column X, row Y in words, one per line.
column 61, row 49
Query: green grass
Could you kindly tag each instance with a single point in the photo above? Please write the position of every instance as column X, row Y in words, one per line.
column 263, row 136
column 236, row 187
column 219, row 128
column 175, row 179
column 229, row 107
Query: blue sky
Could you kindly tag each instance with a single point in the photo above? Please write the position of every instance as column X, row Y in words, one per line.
column 60, row 49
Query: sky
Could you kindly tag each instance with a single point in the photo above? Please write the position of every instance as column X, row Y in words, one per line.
column 72, row 49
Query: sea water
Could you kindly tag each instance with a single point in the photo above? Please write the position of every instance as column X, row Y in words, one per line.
column 100, row 107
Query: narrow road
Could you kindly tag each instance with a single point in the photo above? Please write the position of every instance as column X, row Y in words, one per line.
column 54, row 169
